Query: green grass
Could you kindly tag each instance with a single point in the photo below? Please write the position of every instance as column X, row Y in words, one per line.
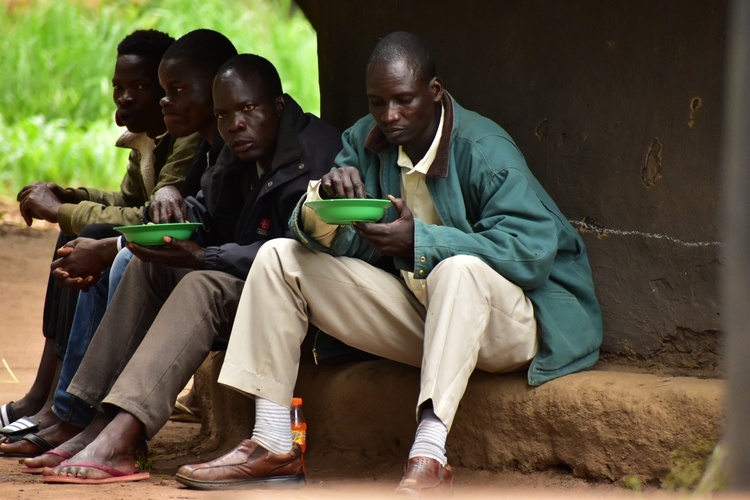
column 37, row 148
column 56, row 109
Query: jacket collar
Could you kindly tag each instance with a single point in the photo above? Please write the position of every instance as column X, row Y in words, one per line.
column 140, row 141
column 377, row 142
column 288, row 148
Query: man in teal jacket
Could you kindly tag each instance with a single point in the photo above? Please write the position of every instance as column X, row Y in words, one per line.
column 488, row 273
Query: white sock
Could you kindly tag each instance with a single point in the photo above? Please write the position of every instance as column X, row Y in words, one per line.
column 273, row 426
column 430, row 439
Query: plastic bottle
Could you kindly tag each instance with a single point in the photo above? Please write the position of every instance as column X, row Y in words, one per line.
column 299, row 426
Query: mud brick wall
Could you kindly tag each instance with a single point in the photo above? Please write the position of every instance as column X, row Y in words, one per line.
column 617, row 108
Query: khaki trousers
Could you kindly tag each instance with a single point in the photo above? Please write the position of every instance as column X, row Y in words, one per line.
column 474, row 318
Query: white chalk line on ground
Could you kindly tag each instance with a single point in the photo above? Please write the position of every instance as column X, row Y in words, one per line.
column 13, row 377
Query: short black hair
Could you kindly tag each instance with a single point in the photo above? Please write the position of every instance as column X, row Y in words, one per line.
column 205, row 49
column 405, row 46
column 151, row 44
column 261, row 66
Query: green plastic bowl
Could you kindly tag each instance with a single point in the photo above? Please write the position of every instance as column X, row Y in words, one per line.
column 348, row 210
column 153, row 234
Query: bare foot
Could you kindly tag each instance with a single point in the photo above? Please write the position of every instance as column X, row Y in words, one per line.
column 25, row 406
column 114, row 448
column 48, row 459
column 69, row 447
column 46, row 417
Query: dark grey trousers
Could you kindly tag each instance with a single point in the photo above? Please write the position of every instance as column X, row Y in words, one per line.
column 155, row 334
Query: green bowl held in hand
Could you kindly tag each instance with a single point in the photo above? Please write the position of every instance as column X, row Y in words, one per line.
column 348, row 210
column 153, row 234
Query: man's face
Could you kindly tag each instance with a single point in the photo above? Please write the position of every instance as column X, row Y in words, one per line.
column 403, row 104
column 187, row 105
column 136, row 92
column 246, row 116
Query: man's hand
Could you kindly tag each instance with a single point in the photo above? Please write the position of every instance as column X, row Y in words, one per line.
column 42, row 200
column 65, row 195
column 168, row 205
column 82, row 262
column 66, row 281
column 174, row 253
column 395, row 239
column 343, row 182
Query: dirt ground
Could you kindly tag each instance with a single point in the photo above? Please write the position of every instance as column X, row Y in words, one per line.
column 24, row 257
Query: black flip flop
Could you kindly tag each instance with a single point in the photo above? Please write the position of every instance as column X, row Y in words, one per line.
column 40, row 442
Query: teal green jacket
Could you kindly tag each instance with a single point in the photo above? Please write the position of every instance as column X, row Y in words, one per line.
column 491, row 207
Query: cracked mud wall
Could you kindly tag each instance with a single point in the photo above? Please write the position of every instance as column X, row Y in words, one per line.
column 617, row 108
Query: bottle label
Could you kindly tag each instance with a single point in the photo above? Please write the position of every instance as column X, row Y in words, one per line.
column 300, row 437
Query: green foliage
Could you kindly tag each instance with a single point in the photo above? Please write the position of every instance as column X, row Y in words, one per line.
column 716, row 477
column 59, row 151
column 689, row 465
column 632, row 483
column 145, row 464
column 56, row 109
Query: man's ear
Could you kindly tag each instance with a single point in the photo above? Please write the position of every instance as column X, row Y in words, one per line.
column 436, row 88
column 279, row 103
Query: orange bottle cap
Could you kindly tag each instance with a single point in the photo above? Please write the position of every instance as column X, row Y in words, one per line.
column 296, row 401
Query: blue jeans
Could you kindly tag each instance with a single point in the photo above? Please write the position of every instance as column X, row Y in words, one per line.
column 117, row 270
column 89, row 312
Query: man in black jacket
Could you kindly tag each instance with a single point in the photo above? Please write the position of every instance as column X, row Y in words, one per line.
column 175, row 301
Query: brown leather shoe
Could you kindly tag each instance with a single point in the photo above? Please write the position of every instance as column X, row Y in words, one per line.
column 249, row 465
column 425, row 476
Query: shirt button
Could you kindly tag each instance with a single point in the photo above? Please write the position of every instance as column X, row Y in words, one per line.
column 301, row 166
column 270, row 183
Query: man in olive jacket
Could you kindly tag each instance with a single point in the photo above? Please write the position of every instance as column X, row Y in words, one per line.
column 148, row 171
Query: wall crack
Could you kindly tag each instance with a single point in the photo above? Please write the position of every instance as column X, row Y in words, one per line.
column 588, row 226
